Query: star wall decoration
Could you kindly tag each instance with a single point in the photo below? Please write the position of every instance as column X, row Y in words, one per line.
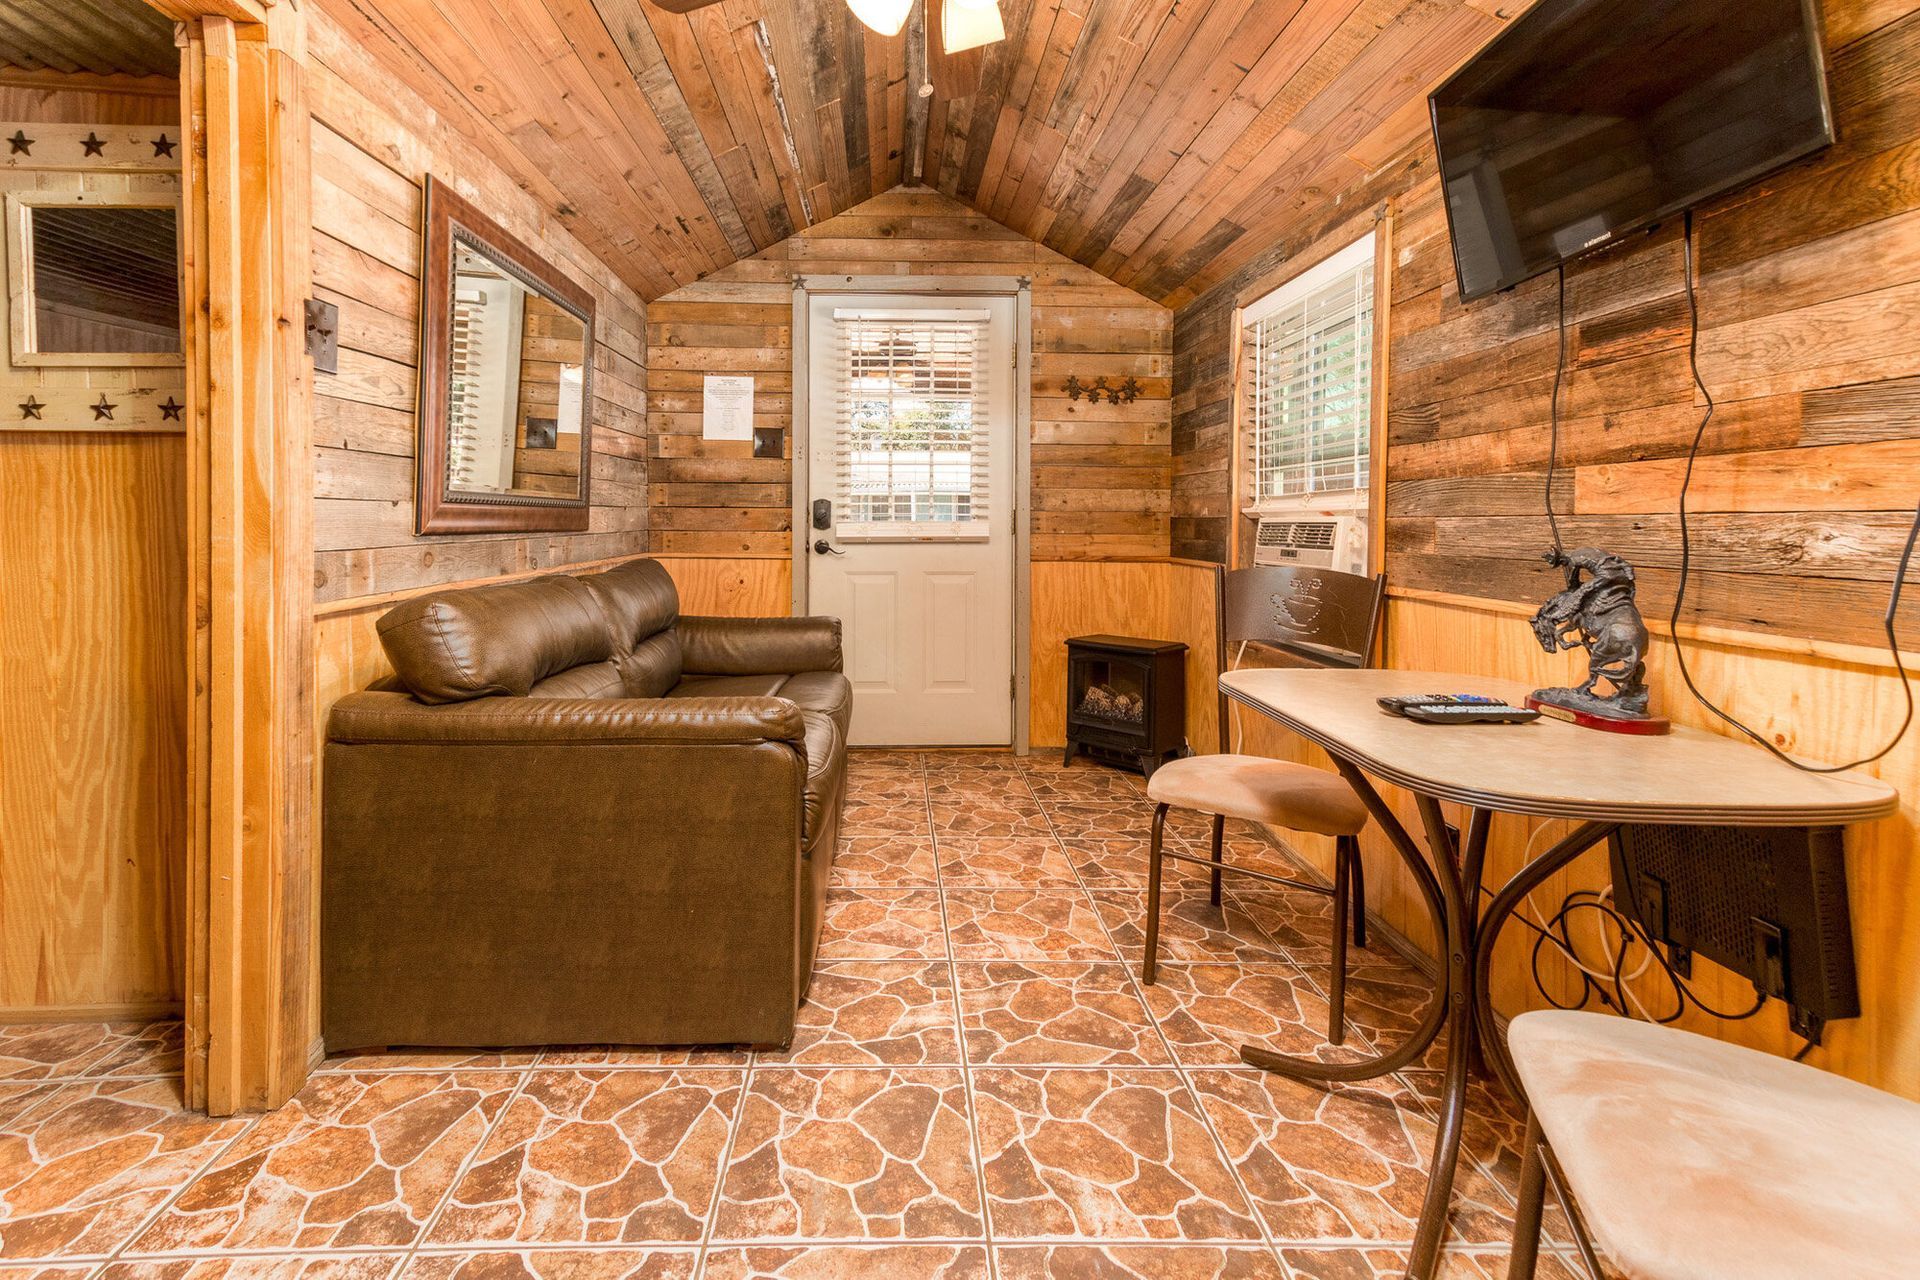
column 163, row 145
column 30, row 408
column 103, row 411
column 93, row 145
column 171, row 410
column 20, row 143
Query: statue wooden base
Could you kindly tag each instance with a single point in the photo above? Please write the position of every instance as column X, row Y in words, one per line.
column 1646, row 726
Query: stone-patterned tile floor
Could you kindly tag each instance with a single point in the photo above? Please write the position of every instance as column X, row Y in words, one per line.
column 980, row 1088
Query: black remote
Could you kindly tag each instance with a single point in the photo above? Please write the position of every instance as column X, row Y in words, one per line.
column 1399, row 703
column 1479, row 713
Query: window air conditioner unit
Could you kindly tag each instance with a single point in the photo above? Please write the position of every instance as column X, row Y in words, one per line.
column 1325, row 542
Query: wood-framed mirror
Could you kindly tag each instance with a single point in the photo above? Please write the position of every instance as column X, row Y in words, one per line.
column 506, row 381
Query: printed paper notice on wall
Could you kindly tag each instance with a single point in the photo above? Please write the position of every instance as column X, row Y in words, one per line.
column 727, row 407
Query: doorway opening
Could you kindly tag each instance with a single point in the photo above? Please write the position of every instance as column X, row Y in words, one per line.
column 910, row 519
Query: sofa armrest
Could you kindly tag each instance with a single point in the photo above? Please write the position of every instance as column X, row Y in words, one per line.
column 758, row 646
column 392, row 717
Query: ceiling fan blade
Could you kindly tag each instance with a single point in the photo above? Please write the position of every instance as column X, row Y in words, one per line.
column 954, row 75
column 682, row 6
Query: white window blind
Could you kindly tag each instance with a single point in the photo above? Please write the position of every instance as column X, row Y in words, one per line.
column 1308, row 349
column 910, row 424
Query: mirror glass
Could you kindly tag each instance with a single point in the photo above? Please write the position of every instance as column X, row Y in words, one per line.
column 105, row 280
column 516, row 384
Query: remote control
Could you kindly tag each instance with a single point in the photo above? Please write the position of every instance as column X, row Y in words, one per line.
column 1479, row 713
column 1398, row 704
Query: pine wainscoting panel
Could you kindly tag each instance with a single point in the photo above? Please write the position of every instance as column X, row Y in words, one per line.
column 1157, row 599
column 93, row 671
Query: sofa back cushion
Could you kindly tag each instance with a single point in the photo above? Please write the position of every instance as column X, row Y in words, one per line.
column 642, row 605
column 451, row 646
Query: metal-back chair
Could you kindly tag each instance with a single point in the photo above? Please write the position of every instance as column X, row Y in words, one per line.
column 1310, row 617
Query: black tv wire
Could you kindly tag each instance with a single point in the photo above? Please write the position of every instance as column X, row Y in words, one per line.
column 1686, row 562
column 1686, row 541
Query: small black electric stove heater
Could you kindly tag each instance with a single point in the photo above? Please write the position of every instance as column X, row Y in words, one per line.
column 1126, row 700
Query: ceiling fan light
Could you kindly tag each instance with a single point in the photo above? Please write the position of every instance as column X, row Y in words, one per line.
column 884, row 16
column 968, row 24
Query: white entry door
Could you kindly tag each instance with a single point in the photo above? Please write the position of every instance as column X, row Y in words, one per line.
column 910, row 519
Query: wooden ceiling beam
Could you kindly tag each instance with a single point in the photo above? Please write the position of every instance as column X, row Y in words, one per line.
column 917, row 117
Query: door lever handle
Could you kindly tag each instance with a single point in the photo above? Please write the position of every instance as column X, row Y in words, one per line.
column 821, row 548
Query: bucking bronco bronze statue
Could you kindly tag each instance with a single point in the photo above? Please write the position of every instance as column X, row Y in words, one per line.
column 1600, row 615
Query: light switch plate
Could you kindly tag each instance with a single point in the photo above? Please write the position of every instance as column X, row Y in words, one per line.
column 323, row 335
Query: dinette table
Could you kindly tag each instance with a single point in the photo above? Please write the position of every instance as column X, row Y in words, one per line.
column 1546, row 769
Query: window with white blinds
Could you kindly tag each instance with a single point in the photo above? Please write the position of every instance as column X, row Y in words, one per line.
column 1308, row 379
column 911, row 423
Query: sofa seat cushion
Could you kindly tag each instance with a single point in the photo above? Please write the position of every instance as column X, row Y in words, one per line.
column 826, row 691
column 729, row 687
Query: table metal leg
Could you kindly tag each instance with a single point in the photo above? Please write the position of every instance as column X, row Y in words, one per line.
column 1494, row 1046
column 1460, row 888
column 1314, row 1071
column 1504, row 904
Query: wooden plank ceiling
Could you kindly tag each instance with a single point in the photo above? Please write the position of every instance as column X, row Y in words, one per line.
column 1158, row 141
column 102, row 37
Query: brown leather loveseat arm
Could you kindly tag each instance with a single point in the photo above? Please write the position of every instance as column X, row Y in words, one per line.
column 758, row 646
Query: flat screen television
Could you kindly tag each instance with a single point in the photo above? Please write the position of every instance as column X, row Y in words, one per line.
column 1589, row 119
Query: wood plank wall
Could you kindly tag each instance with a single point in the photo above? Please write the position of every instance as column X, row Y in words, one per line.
column 1809, row 294
column 1808, row 288
column 374, row 142
column 1100, row 472
column 93, row 669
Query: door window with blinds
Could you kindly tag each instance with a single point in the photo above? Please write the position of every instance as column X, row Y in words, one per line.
column 910, row 424
column 1307, row 353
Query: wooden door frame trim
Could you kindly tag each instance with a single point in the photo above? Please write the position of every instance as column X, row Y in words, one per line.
column 250, row 877
column 1020, row 289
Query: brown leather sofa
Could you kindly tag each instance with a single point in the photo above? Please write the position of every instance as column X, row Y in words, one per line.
column 573, row 816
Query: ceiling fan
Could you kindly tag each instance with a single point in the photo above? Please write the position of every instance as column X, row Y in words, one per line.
column 963, row 25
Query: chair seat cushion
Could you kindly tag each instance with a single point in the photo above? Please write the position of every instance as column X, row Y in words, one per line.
column 1295, row 796
column 1694, row 1159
